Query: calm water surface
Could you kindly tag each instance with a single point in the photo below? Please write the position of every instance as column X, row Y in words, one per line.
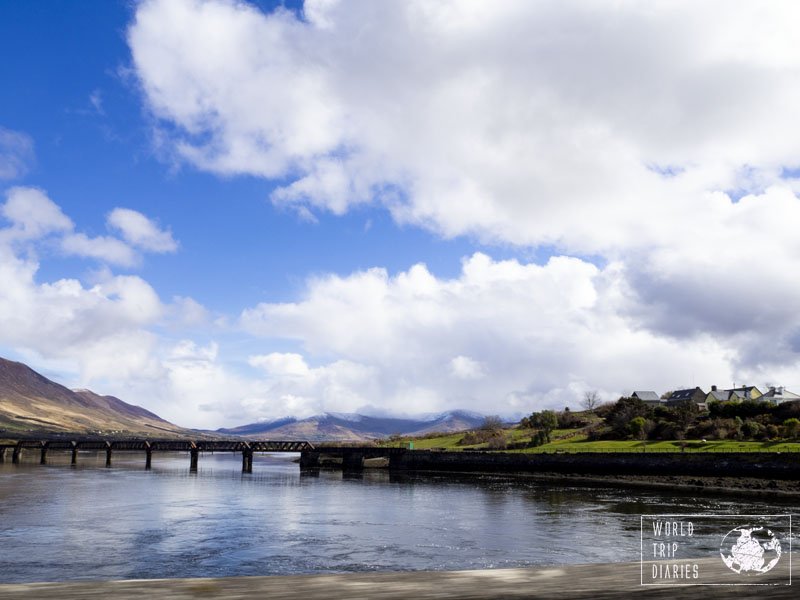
column 89, row 522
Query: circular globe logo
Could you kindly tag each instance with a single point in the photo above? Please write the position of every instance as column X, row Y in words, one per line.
column 750, row 550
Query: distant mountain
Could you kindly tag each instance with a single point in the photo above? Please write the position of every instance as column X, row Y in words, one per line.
column 355, row 427
column 31, row 403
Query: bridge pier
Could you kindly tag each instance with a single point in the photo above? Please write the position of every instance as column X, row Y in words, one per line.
column 108, row 454
column 353, row 461
column 148, row 462
column 309, row 459
column 247, row 459
column 17, row 453
column 2, row 454
column 193, row 455
column 74, row 458
column 43, row 456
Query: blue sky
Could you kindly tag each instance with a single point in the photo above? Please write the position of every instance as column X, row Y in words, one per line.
column 229, row 211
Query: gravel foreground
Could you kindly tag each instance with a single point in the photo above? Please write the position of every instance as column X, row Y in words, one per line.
column 598, row 581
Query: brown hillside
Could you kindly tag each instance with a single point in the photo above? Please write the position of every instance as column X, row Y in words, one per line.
column 31, row 404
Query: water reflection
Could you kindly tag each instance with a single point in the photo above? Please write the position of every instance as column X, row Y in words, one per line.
column 125, row 522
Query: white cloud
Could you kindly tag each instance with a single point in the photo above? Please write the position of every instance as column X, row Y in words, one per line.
column 34, row 217
column 281, row 364
column 103, row 248
column 140, row 231
column 623, row 131
column 98, row 328
column 503, row 120
column 32, row 214
column 299, row 390
column 105, row 334
column 464, row 367
column 16, row 154
column 503, row 336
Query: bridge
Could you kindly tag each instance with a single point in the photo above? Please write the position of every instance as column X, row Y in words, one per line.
column 193, row 447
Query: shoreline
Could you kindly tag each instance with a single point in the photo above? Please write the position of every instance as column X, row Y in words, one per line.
column 750, row 486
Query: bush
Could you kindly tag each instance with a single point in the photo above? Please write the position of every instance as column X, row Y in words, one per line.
column 640, row 427
column 569, row 420
column 753, row 430
column 498, row 442
column 791, row 427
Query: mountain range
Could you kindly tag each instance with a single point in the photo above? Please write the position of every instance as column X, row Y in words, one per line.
column 32, row 404
column 355, row 427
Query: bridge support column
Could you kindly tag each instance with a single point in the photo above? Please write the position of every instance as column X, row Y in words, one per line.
column 353, row 461
column 2, row 455
column 247, row 460
column 309, row 459
column 17, row 453
column 193, row 454
column 74, row 458
column 43, row 456
column 108, row 454
column 148, row 461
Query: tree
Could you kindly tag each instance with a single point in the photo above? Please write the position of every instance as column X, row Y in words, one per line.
column 547, row 420
column 590, row 400
column 622, row 412
column 492, row 423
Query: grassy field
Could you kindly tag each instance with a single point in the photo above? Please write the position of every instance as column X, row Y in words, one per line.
column 574, row 440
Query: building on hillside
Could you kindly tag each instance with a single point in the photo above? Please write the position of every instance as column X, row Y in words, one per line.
column 696, row 395
column 648, row 397
column 746, row 392
column 779, row 394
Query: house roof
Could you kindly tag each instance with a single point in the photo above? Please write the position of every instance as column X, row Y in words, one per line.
column 719, row 395
column 745, row 389
column 781, row 394
column 684, row 394
column 645, row 395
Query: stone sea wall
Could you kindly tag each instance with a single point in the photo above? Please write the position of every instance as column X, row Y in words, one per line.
column 760, row 465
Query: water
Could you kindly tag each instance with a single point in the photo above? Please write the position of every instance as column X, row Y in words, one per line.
column 89, row 522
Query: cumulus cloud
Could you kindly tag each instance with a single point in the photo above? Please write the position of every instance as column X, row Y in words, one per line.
column 299, row 390
column 101, row 328
column 657, row 137
column 464, row 367
column 107, row 249
column 16, row 154
column 103, row 334
column 503, row 334
column 500, row 120
column 140, row 231
column 34, row 216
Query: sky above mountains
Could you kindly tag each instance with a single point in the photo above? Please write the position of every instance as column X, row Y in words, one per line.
column 226, row 211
